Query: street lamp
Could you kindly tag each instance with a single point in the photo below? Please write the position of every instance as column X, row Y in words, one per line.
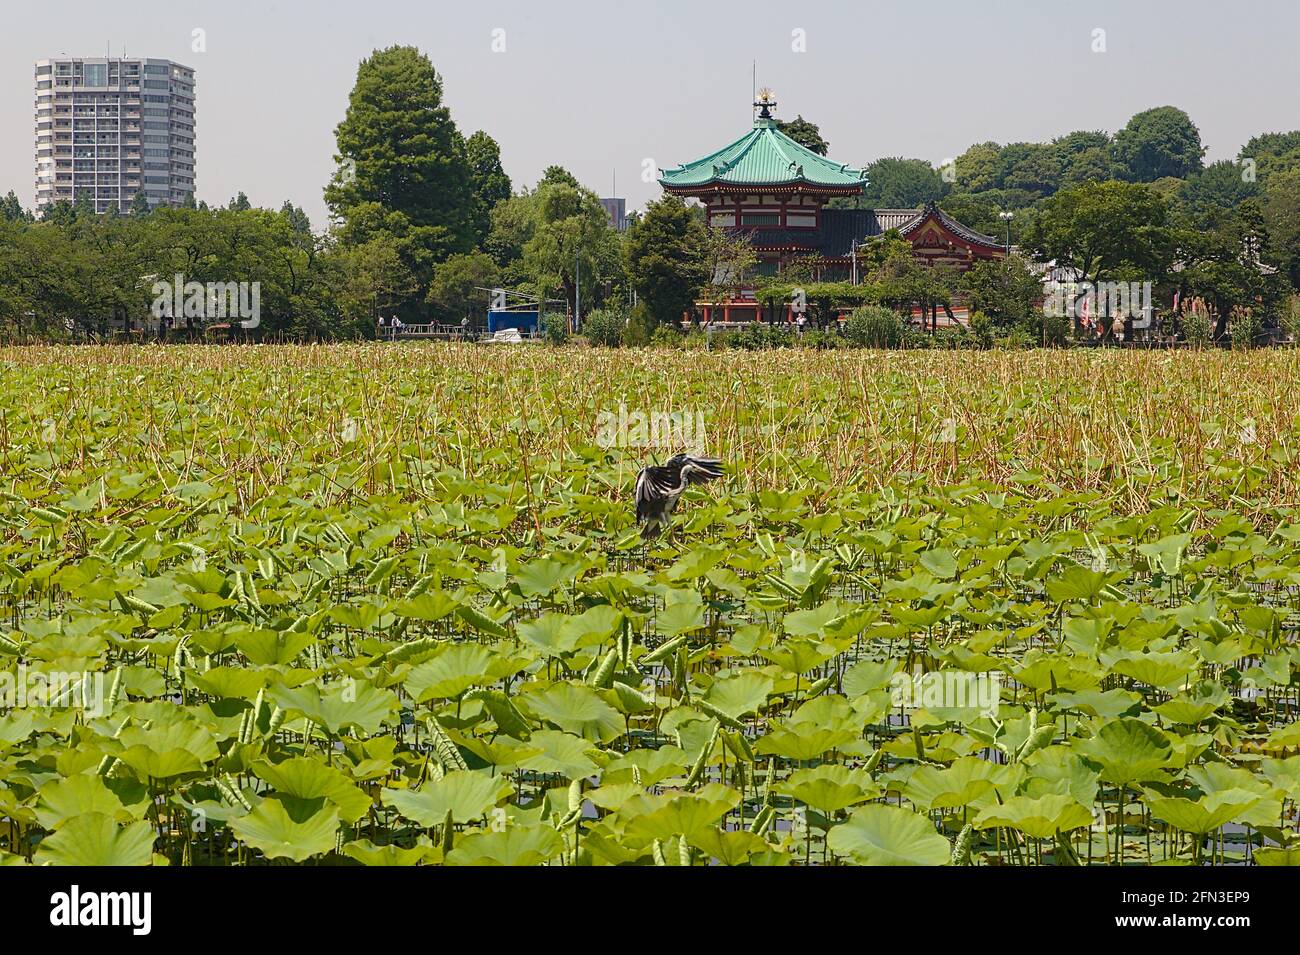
column 1007, row 216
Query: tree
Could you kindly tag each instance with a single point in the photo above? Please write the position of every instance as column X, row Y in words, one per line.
column 402, row 174
column 663, row 255
column 11, row 210
column 455, row 292
column 804, row 133
column 1071, row 145
column 240, row 203
column 376, row 280
column 729, row 259
column 139, row 205
column 979, row 167
column 512, row 226
column 571, row 245
column 558, row 176
column 1270, row 152
column 1281, row 214
column 297, row 219
column 1097, row 227
column 902, row 281
column 1217, row 188
column 1032, row 167
column 977, row 210
column 1094, row 164
column 1004, row 289
column 1159, row 142
column 897, row 183
column 1227, row 265
column 490, row 183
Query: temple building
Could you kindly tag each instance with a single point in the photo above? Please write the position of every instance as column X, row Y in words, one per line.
column 775, row 190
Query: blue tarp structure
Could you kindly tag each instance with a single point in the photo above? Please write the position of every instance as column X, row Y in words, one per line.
column 499, row 318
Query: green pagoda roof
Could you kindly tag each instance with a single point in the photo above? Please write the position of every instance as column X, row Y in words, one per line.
column 764, row 157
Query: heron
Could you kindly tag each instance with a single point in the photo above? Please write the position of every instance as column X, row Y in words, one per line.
column 658, row 488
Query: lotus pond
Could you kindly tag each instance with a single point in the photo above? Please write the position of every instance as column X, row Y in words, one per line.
column 375, row 604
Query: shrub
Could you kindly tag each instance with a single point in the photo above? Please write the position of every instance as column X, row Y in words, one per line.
column 1018, row 337
column 982, row 330
column 556, row 328
column 666, row 336
column 954, row 337
column 821, row 340
column 873, row 326
column 605, row 327
column 1055, row 331
column 1243, row 326
column 640, row 324
column 1290, row 317
column 1198, row 329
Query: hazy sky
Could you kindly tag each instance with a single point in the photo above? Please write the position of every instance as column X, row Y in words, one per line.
column 601, row 87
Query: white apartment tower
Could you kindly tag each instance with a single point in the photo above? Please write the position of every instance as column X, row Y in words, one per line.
column 110, row 127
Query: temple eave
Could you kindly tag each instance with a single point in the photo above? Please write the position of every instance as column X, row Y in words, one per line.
column 713, row 188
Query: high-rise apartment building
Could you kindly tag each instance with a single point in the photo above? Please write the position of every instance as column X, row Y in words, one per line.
column 110, row 127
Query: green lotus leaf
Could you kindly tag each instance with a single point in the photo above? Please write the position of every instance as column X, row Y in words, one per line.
column 429, row 606
column 740, row 694
column 273, row 647
column 829, row 787
column 867, row 675
column 939, row 562
column 271, row 829
column 1271, row 856
column 167, row 748
column 575, row 709
column 878, row 834
column 683, row 815
column 229, row 682
column 306, row 778
column 561, row 753
column 540, row 577
column 1058, row 769
column 352, row 704
column 1128, row 751
column 513, row 846
column 680, row 617
column 1284, row 774
column 367, row 853
column 1108, row 705
column 1205, row 815
column 64, row 799
column 803, row 741
column 728, row 848
column 966, row 781
column 467, row 795
column 95, row 839
column 1039, row 817
column 450, row 673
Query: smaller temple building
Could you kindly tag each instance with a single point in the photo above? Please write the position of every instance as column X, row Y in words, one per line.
column 775, row 190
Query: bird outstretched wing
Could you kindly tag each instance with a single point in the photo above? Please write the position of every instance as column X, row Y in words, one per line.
column 654, row 487
column 700, row 470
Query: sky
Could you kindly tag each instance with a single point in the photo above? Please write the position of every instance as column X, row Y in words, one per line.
column 612, row 90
